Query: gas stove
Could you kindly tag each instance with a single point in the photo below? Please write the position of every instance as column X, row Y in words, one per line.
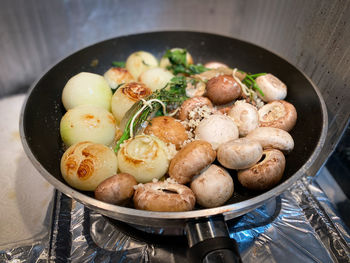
column 300, row 225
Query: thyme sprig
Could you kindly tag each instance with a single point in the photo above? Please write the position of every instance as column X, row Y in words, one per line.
column 172, row 96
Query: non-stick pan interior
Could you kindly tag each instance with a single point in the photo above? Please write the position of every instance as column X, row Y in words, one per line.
column 43, row 110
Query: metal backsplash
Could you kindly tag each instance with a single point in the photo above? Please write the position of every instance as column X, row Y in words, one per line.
column 314, row 35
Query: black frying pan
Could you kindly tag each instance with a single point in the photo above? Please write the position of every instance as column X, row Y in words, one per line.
column 43, row 110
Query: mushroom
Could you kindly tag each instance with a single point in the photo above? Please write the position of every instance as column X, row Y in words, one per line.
column 224, row 109
column 279, row 114
column 270, row 137
column 239, row 154
column 189, row 105
column 191, row 160
column 213, row 187
column 245, row 116
column 167, row 129
column 272, row 87
column 216, row 129
column 164, row 196
column 117, row 189
column 266, row 173
column 117, row 76
column 223, row 89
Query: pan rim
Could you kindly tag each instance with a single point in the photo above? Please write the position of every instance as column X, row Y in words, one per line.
column 230, row 210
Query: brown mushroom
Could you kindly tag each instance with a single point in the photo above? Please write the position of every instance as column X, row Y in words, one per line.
column 164, row 197
column 117, row 189
column 279, row 114
column 191, row 160
column 191, row 104
column 223, row 89
column 266, row 173
column 168, row 130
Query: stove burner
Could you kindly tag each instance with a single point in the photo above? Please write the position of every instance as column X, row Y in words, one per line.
column 109, row 234
column 99, row 223
column 300, row 225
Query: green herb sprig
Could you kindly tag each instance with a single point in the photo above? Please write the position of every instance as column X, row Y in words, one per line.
column 178, row 61
column 172, row 95
column 118, row 64
column 250, row 82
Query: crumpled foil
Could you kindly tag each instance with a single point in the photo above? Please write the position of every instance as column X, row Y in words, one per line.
column 301, row 225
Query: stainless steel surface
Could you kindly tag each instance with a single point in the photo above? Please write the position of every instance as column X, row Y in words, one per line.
column 299, row 226
column 198, row 231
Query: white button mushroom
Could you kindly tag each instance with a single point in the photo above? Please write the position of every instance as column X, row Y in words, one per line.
column 145, row 157
column 239, row 154
column 85, row 165
column 272, row 87
column 117, row 76
column 86, row 88
column 245, row 116
column 88, row 123
column 278, row 114
column 266, row 173
column 156, row 78
column 213, row 187
column 139, row 62
column 270, row 137
column 217, row 129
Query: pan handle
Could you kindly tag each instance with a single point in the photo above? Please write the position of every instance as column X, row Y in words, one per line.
column 209, row 241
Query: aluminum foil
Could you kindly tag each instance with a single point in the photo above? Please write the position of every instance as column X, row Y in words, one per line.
column 301, row 225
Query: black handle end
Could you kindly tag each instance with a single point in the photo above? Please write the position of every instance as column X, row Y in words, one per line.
column 218, row 249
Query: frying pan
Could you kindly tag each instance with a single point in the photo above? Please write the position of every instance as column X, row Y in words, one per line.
column 43, row 110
